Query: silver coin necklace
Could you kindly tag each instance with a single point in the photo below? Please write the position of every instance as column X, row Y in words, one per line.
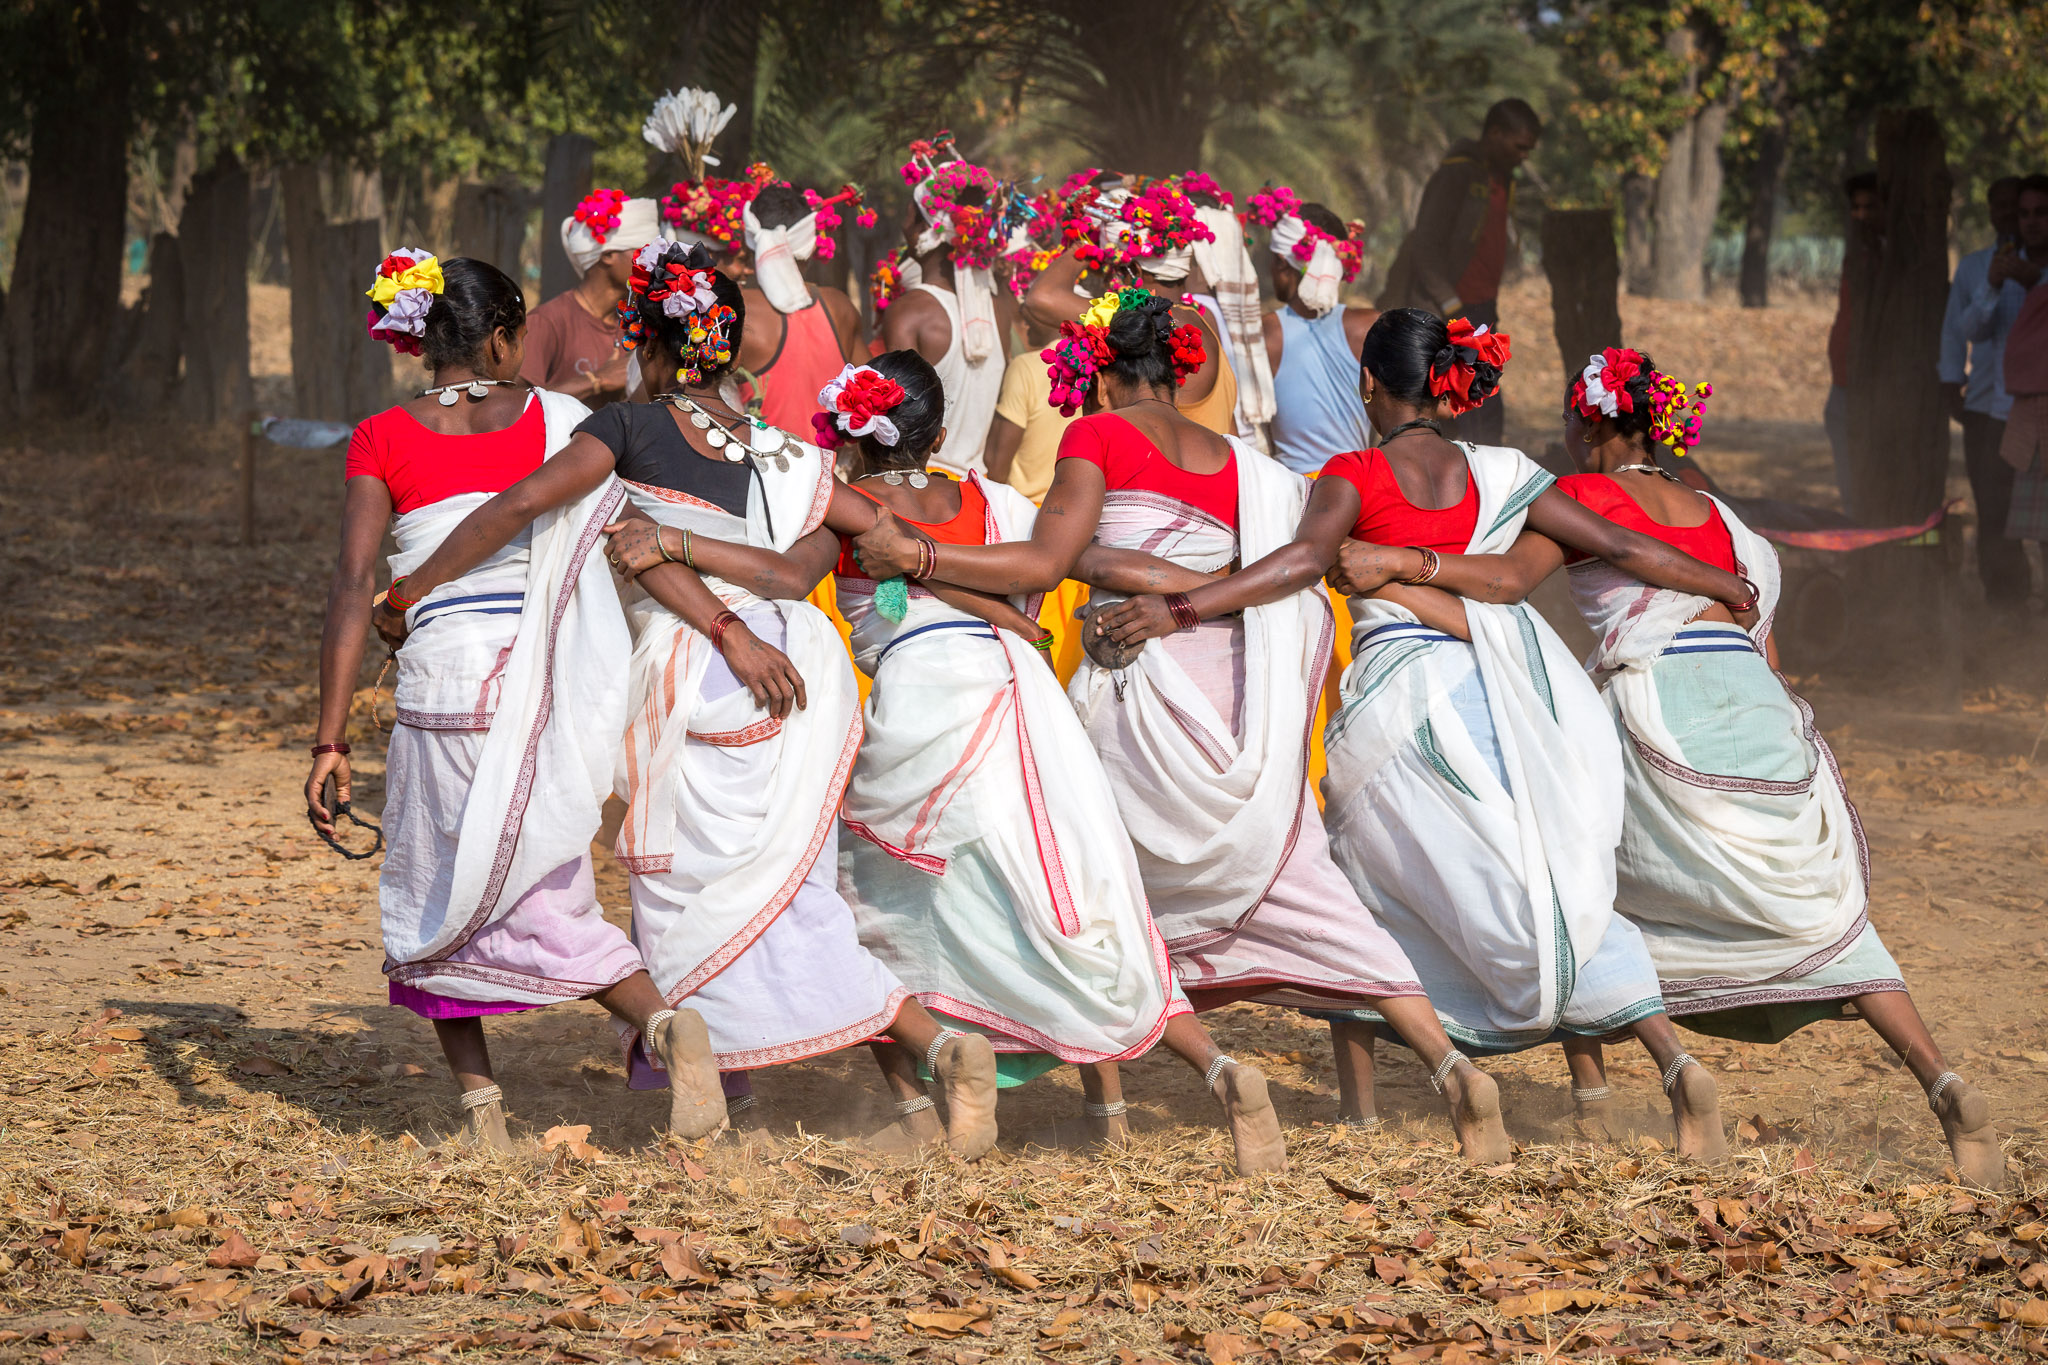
column 759, row 438
column 475, row 388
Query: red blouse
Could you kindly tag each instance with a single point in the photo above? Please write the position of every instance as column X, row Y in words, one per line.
column 1708, row 542
column 1386, row 517
column 1129, row 460
column 421, row 467
column 968, row 527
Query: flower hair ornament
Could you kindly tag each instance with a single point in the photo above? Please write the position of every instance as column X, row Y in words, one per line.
column 405, row 288
column 856, row 403
column 1083, row 348
column 711, row 212
column 684, row 292
column 1324, row 261
column 1467, row 370
column 1153, row 229
column 685, row 123
column 1601, row 390
column 599, row 213
column 940, row 179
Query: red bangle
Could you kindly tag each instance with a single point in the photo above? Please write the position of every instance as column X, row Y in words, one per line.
column 319, row 749
column 1185, row 617
column 396, row 600
column 1747, row 603
column 721, row 623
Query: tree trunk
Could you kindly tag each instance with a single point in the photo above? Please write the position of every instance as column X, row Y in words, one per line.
column 1639, row 227
column 1764, row 178
column 65, row 294
column 1688, row 199
column 490, row 222
column 1152, row 108
column 213, row 239
column 315, row 392
column 1585, row 275
column 568, row 180
column 361, row 364
column 152, row 368
column 1898, row 443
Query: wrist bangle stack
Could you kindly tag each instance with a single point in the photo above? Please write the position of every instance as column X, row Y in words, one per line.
column 341, row 749
column 1185, row 617
column 396, row 600
column 1044, row 643
column 1748, row 603
column 927, row 560
column 720, row 624
column 688, row 559
column 1431, row 563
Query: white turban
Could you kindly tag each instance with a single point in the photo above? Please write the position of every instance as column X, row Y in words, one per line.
column 1321, row 276
column 639, row 224
column 778, row 252
column 1234, row 281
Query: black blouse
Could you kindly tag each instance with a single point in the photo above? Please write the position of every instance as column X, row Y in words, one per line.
column 649, row 448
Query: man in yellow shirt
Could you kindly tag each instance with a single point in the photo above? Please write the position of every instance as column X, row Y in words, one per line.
column 1024, row 438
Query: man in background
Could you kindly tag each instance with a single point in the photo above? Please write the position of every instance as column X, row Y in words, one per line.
column 2025, row 445
column 1972, row 367
column 1312, row 345
column 1453, row 259
column 799, row 335
column 1024, row 438
column 1866, row 216
column 572, row 340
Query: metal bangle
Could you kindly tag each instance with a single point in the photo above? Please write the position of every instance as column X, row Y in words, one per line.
column 688, row 559
column 917, row 1106
column 653, row 1025
column 1103, row 1111
column 661, row 544
column 1444, row 1069
column 1433, row 563
column 1216, row 1068
column 483, row 1095
column 1678, row 1064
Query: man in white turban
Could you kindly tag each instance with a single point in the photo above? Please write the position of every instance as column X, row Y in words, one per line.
column 572, row 340
column 1312, row 345
column 799, row 335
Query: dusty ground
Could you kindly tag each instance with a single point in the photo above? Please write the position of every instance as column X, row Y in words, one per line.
column 218, row 1137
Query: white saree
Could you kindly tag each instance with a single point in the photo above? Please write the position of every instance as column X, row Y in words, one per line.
column 729, row 809
column 1741, row 858
column 987, row 865
column 1474, row 798
column 511, row 696
column 1205, row 740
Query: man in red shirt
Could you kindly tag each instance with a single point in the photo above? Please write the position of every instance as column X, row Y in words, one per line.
column 1454, row 257
column 572, row 340
column 1866, row 215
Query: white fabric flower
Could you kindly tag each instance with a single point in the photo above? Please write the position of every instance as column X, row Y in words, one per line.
column 1597, row 392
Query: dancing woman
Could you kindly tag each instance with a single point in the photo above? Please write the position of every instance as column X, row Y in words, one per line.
column 1741, row 859
column 987, row 865
column 1474, row 792
column 1204, row 735
column 511, row 683
column 743, row 723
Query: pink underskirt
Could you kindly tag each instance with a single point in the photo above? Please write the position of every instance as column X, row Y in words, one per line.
column 427, row 1005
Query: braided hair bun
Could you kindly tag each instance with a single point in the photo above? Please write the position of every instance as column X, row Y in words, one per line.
column 1148, row 346
column 679, row 298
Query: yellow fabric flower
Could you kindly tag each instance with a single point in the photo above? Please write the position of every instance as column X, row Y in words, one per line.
column 424, row 274
column 1101, row 311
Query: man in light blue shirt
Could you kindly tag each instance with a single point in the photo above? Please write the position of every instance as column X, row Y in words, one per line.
column 1972, row 363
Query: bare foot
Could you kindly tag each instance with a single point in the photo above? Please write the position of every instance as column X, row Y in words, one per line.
column 1593, row 1119
column 696, row 1104
column 922, row 1126
column 1972, row 1141
column 1109, row 1130
column 967, row 1073
column 1254, row 1127
column 1475, row 1115
column 1696, row 1115
column 486, row 1127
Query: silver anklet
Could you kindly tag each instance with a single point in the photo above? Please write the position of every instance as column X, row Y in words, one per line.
column 1678, row 1064
column 905, row 1108
column 1591, row 1093
column 477, row 1099
column 931, row 1054
column 739, row 1105
column 1941, row 1083
column 1444, row 1069
column 1216, row 1069
column 1103, row 1111
column 654, row 1022
column 1369, row 1121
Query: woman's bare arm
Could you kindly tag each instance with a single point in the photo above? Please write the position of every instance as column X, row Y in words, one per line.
column 1363, row 567
column 1065, row 525
column 365, row 512
column 1132, row 572
column 1570, row 523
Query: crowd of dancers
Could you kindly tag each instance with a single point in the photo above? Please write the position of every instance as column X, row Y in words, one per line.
column 962, row 863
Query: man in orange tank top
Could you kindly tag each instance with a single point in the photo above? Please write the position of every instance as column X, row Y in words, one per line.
column 798, row 334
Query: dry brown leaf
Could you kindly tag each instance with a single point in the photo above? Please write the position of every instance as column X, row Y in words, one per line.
column 951, row 1322
column 2026, row 1312
column 1545, row 1301
column 570, row 1136
column 71, row 1245
column 575, row 1320
column 234, row 1253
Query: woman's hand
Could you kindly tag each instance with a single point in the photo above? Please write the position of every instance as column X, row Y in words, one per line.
column 1105, row 652
column 389, row 623
column 1363, row 568
column 888, row 549
column 1134, row 620
column 635, row 547
column 323, row 765
column 764, row 670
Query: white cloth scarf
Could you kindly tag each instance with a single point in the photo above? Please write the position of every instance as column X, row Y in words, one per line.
column 1322, row 276
column 554, row 701
column 1559, row 818
column 986, row 792
column 975, row 287
column 708, row 884
column 779, row 252
column 1234, row 280
column 1213, row 812
column 639, row 224
column 1764, row 879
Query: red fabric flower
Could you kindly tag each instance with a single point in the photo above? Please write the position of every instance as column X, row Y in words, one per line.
column 1189, row 354
column 868, row 394
column 1621, row 366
